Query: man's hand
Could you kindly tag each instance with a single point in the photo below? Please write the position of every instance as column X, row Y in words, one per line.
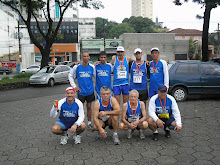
column 177, row 128
column 77, row 89
column 96, row 63
column 103, row 133
column 55, row 104
column 136, row 123
column 160, row 123
column 132, row 126
column 73, row 128
column 102, row 113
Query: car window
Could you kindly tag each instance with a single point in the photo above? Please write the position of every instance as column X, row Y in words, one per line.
column 58, row 69
column 187, row 69
column 47, row 69
column 210, row 69
column 65, row 68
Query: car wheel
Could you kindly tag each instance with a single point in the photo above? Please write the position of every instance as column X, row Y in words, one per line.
column 51, row 82
column 23, row 72
column 179, row 93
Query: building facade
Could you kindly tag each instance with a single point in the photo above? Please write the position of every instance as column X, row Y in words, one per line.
column 142, row 8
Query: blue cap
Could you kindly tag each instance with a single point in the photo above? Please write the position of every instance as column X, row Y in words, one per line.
column 162, row 88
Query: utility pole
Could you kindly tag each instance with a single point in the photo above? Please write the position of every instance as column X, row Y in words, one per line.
column 104, row 33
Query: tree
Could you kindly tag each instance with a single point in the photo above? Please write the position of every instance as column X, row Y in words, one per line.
column 31, row 8
column 209, row 5
column 194, row 50
column 117, row 30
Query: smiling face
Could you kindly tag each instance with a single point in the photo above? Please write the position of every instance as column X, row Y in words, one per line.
column 102, row 59
column 85, row 57
column 162, row 94
column 138, row 55
column 70, row 95
column 120, row 54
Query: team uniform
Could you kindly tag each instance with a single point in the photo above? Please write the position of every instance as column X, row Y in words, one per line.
column 103, row 77
column 69, row 114
column 166, row 110
column 109, row 107
column 121, row 77
column 158, row 75
column 84, row 76
column 134, row 114
column 138, row 79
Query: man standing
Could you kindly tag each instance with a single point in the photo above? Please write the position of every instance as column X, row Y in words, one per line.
column 158, row 72
column 163, row 113
column 134, row 115
column 138, row 79
column 84, row 73
column 121, row 74
column 106, row 111
column 71, row 117
column 103, row 73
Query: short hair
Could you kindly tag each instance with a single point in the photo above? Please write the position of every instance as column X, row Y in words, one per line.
column 134, row 91
column 105, row 88
column 102, row 53
column 85, row 52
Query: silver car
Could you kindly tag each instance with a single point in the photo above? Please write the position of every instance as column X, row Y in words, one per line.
column 51, row 75
column 31, row 69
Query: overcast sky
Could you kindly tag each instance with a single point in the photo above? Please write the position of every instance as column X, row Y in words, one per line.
column 172, row 16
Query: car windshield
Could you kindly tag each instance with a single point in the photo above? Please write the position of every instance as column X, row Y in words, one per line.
column 48, row 69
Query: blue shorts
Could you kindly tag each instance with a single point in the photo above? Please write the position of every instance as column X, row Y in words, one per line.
column 124, row 89
column 64, row 126
column 167, row 121
column 152, row 93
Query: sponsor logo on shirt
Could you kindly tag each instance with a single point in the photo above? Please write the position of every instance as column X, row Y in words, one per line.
column 68, row 114
column 85, row 74
column 103, row 72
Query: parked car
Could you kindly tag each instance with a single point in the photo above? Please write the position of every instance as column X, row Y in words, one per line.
column 64, row 62
column 5, row 70
column 193, row 77
column 71, row 64
column 217, row 59
column 31, row 69
column 51, row 75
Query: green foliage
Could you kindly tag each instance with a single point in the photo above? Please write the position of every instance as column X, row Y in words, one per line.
column 117, row 30
column 23, row 75
column 14, row 80
column 194, row 50
column 5, row 78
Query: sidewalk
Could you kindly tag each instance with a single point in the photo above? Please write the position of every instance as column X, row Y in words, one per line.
column 26, row 138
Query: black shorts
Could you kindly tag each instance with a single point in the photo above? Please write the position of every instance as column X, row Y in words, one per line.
column 106, row 124
column 143, row 95
column 88, row 99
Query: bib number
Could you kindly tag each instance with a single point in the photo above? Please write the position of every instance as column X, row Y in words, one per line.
column 122, row 74
column 137, row 79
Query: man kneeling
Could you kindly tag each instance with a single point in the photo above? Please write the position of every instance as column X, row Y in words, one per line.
column 134, row 115
column 164, row 113
column 106, row 111
column 71, row 117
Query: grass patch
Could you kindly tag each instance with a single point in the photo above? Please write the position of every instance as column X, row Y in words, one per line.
column 20, row 77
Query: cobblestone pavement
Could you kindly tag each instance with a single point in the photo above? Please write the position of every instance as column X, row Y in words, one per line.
column 26, row 138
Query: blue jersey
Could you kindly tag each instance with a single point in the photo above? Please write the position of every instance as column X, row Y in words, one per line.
column 69, row 113
column 159, row 75
column 138, row 76
column 121, row 75
column 168, row 106
column 103, row 76
column 102, row 108
column 84, row 77
column 138, row 115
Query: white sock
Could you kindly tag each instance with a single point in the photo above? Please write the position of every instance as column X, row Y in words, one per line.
column 156, row 131
column 167, row 128
column 115, row 133
column 89, row 122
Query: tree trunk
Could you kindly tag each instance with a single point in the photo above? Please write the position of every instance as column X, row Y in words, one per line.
column 205, row 52
column 45, row 57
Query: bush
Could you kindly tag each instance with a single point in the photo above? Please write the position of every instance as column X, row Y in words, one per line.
column 23, row 75
column 5, row 78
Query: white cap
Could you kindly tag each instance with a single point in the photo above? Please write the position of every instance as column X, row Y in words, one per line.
column 152, row 49
column 120, row 49
column 137, row 50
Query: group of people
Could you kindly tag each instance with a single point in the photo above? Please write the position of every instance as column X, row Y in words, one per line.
column 163, row 110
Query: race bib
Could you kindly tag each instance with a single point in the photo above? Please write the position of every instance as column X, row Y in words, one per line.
column 122, row 74
column 133, row 119
column 104, row 118
column 137, row 79
column 164, row 116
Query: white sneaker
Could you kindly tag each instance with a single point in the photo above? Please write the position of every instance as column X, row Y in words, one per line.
column 77, row 139
column 130, row 133
column 116, row 140
column 63, row 139
column 141, row 134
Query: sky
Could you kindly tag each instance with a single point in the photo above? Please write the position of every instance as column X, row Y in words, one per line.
column 172, row 16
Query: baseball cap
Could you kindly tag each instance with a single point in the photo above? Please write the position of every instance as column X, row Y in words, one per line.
column 137, row 50
column 120, row 49
column 162, row 87
column 155, row 48
column 70, row 89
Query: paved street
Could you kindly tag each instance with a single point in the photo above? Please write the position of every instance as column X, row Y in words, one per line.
column 26, row 138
